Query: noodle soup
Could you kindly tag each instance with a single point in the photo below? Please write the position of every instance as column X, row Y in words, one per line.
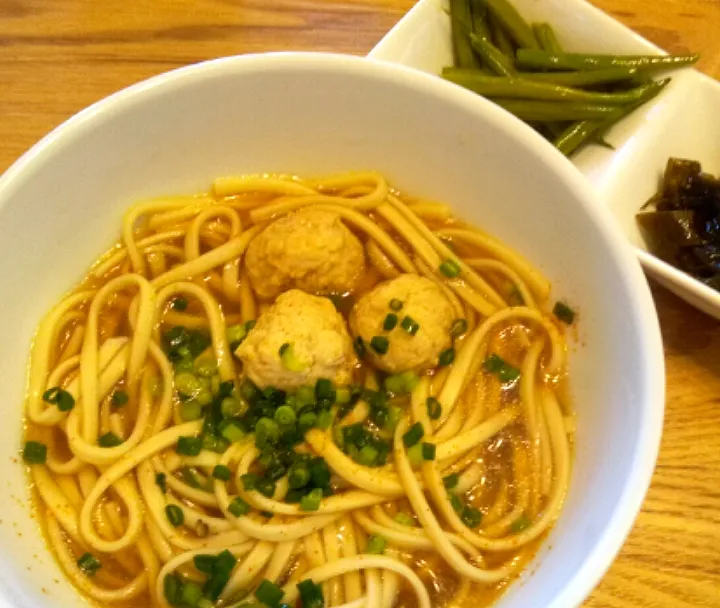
column 303, row 392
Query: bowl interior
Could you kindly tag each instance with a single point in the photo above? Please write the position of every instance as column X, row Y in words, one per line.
column 61, row 205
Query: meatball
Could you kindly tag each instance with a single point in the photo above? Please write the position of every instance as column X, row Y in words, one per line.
column 296, row 341
column 424, row 303
column 311, row 250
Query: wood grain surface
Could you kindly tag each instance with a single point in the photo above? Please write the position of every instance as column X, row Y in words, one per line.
column 57, row 56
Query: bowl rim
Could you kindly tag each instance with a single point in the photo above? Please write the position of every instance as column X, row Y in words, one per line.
column 652, row 371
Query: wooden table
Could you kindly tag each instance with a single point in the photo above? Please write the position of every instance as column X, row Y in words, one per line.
column 57, row 56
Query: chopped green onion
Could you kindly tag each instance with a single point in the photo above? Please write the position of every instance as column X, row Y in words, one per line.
column 471, row 517
column 289, row 359
column 190, row 410
column 515, row 298
column 265, row 486
column 508, row 373
column 109, row 440
column 434, row 409
column 235, row 335
column 428, row 451
column 458, row 328
column 564, row 313
column 57, row 396
column 222, row 472
column 456, row 504
column 311, row 501
column 179, row 303
column 89, row 564
column 285, row 415
column 320, row 473
column 450, row 481
column 376, row 545
column 205, row 367
column 396, row 304
column 359, row 346
column 380, row 344
column 172, row 588
column 413, row 435
column 34, row 452
column 189, row 446
column 249, row 481
column 391, row 320
column 493, row 364
column 324, row 419
column 238, row 507
column 231, row 407
column 450, row 268
column 204, row 563
column 161, row 481
column 415, row 455
column 311, row 595
column 379, row 415
column 306, row 421
column 216, row 444
column 409, row 325
column 175, row 515
column 299, row 475
column 520, row 524
column 267, row 432
column 343, row 395
column 368, row 455
column 191, row 593
column 231, row 430
column 447, row 357
column 324, row 390
column 394, row 415
column 403, row 383
column 269, row 593
column 404, row 519
column 119, row 398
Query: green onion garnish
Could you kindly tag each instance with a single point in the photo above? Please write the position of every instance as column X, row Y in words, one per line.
column 447, row 357
column 231, row 430
column 376, row 545
column 161, row 481
column 520, row 524
column 189, row 446
column 238, row 507
column 119, row 398
column 191, row 410
column 222, row 472
column 109, row 440
column 564, row 313
column 450, row 481
column 172, row 589
column 409, row 325
column 323, row 420
column 179, row 303
column 324, row 389
column 89, row 564
column 450, row 268
column 458, row 328
column 57, row 396
column 249, row 481
column 285, row 415
column 359, row 346
column 390, row 321
column 34, row 452
column 428, row 451
column 506, row 372
column 204, row 563
column 380, row 344
column 396, row 304
column 191, row 594
column 311, row 595
column 311, row 501
column 404, row 519
column 456, row 504
column 368, row 456
column 434, row 409
column 413, row 435
column 265, row 486
column 175, row 515
column 471, row 517
column 269, row 593
column 299, row 475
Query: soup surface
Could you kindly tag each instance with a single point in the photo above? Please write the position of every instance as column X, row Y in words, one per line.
column 301, row 392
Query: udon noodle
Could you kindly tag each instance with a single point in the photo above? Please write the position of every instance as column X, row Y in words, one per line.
column 164, row 475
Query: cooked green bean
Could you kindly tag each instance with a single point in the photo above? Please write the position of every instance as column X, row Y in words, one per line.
column 517, row 88
column 491, row 56
column 480, row 16
column 580, row 132
column 546, row 37
column 461, row 18
column 534, row 59
column 568, row 79
column 552, row 110
column 500, row 38
column 515, row 25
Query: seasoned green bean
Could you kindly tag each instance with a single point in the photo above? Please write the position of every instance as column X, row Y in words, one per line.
column 480, row 16
column 461, row 20
column 546, row 37
column 515, row 25
column 551, row 111
column 534, row 59
column 491, row 56
column 580, row 132
column 568, row 79
column 518, row 88
column 500, row 38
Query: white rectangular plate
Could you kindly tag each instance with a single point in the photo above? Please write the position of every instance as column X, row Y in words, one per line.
column 683, row 121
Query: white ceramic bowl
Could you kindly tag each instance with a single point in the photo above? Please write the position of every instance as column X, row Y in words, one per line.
column 682, row 121
column 61, row 204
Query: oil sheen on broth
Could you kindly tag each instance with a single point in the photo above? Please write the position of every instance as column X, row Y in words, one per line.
column 310, row 392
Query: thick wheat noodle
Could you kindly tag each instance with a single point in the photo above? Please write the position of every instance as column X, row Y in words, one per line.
column 280, row 561
column 482, row 432
column 493, row 265
column 358, row 562
column 216, row 257
column 390, row 585
column 191, row 321
column 528, row 381
column 314, row 550
column 118, row 254
column 332, row 554
column 180, row 216
column 436, row 212
column 545, row 456
column 470, row 477
column 426, row 271
column 466, row 273
column 195, row 495
column 244, row 573
column 192, row 237
column 352, row 583
column 539, row 284
column 382, row 263
column 244, row 184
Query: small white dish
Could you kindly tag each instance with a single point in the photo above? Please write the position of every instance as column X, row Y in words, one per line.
column 682, row 121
